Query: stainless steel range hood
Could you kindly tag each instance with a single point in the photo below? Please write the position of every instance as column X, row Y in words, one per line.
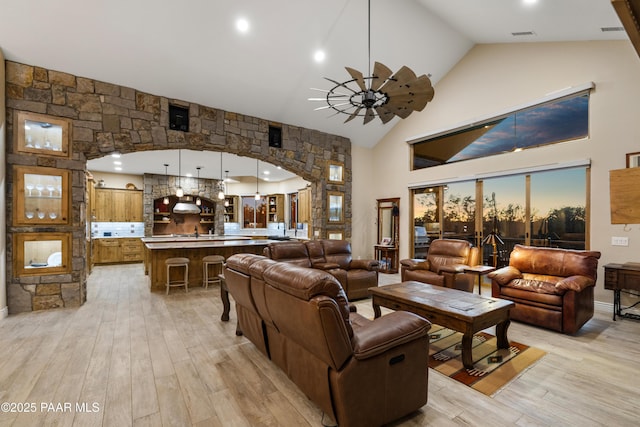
column 185, row 205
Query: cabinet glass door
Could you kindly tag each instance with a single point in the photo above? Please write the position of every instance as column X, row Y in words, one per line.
column 41, row 196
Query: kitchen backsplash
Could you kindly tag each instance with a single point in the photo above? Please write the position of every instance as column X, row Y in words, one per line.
column 117, row 229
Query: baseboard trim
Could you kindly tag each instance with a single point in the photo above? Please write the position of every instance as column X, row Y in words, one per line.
column 4, row 312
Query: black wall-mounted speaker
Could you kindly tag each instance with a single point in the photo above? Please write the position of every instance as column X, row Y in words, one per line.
column 178, row 118
column 275, row 137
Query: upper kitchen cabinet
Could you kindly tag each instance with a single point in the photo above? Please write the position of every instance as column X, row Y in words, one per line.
column 41, row 196
column 114, row 205
column 42, row 134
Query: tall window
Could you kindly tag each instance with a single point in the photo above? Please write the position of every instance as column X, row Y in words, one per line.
column 545, row 208
column 556, row 121
column 254, row 212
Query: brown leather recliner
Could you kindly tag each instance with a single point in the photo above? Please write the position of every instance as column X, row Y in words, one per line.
column 360, row 372
column 552, row 288
column 334, row 256
column 444, row 265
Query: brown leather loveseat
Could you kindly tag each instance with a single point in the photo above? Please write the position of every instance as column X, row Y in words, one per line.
column 360, row 372
column 444, row 265
column 552, row 288
column 334, row 256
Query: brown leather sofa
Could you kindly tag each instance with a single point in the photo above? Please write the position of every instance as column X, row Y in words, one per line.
column 360, row 372
column 444, row 265
column 334, row 256
column 552, row 288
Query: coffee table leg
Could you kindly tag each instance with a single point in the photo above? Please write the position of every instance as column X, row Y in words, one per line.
column 467, row 355
column 501, row 333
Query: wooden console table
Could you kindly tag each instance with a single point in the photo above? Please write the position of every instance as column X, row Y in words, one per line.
column 387, row 257
column 622, row 278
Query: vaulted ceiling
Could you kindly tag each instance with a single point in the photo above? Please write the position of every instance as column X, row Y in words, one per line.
column 192, row 50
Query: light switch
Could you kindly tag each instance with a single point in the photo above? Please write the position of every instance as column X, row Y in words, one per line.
column 619, row 241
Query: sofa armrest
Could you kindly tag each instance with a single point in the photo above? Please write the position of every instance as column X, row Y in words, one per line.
column 363, row 264
column 325, row 265
column 416, row 264
column 575, row 283
column 505, row 275
column 387, row 332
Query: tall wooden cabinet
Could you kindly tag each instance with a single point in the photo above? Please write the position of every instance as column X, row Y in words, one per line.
column 304, row 205
column 275, row 206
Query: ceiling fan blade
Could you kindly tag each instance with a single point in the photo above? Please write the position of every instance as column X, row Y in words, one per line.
column 357, row 76
column 380, row 75
column 397, row 82
column 353, row 115
column 334, row 97
column 384, row 113
column 341, row 85
column 369, row 115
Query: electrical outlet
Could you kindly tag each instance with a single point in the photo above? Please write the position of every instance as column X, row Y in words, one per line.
column 619, row 241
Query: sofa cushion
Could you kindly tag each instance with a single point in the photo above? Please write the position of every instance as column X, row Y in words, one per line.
column 242, row 262
column 306, row 283
column 338, row 251
column 554, row 261
column 292, row 252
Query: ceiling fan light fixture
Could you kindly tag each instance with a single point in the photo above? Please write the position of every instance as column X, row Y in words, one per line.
column 382, row 94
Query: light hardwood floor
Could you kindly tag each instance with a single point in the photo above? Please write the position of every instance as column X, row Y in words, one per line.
column 146, row 359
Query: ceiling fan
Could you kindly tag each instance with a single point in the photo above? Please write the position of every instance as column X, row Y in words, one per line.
column 382, row 94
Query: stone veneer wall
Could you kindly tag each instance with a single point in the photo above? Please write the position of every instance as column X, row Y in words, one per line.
column 107, row 118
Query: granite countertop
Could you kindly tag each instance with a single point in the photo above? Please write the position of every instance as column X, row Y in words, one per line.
column 203, row 243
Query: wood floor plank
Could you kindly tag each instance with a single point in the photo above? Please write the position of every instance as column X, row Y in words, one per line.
column 147, row 359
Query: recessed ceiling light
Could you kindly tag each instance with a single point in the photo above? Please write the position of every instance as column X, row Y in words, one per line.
column 265, row 179
column 528, row 2
column 266, row 172
column 118, row 168
column 319, row 56
column 117, row 162
column 188, row 175
column 242, row 25
column 115, row 155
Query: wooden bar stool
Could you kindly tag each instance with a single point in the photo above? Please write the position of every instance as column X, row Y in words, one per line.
column 178, row 262
column 211, row 260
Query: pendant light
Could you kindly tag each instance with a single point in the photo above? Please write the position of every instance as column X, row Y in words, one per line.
column 221, row 183
column 179, row 190
column 198, row 201
column 257, row 196
column 226, row 179
column 166, row 180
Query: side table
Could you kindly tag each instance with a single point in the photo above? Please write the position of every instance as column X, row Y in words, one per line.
column 387, row 257
column 479, row 270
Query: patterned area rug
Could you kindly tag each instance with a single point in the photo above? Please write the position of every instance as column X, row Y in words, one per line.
column 493, row 368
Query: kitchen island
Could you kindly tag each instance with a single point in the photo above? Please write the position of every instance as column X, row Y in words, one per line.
column 158, row 249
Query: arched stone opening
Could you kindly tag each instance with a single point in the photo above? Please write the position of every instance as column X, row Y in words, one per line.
column 108, row 118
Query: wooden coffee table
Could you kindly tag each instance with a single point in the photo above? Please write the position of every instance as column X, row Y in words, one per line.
column 458, row 310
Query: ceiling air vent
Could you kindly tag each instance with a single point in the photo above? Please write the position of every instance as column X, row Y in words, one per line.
column 611, row 29
column 523, row 33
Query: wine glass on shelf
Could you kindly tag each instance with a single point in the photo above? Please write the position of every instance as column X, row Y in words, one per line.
column 59, row 188
column 41, row 214
column 53, row 215
column 30, row 187
column 39, row 187
column 29, row 214
column 50, row 189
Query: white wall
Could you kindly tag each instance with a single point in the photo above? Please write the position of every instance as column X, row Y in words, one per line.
column 4, row 312
column 491, row 78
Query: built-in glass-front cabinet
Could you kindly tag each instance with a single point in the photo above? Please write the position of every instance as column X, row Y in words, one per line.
column 41, row 196
column 38, row 254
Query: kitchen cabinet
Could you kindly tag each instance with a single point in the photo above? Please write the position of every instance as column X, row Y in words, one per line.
column 304, row 205
column 231, row 207
column 275, row 205
column 114, row 205
column 117, row 250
